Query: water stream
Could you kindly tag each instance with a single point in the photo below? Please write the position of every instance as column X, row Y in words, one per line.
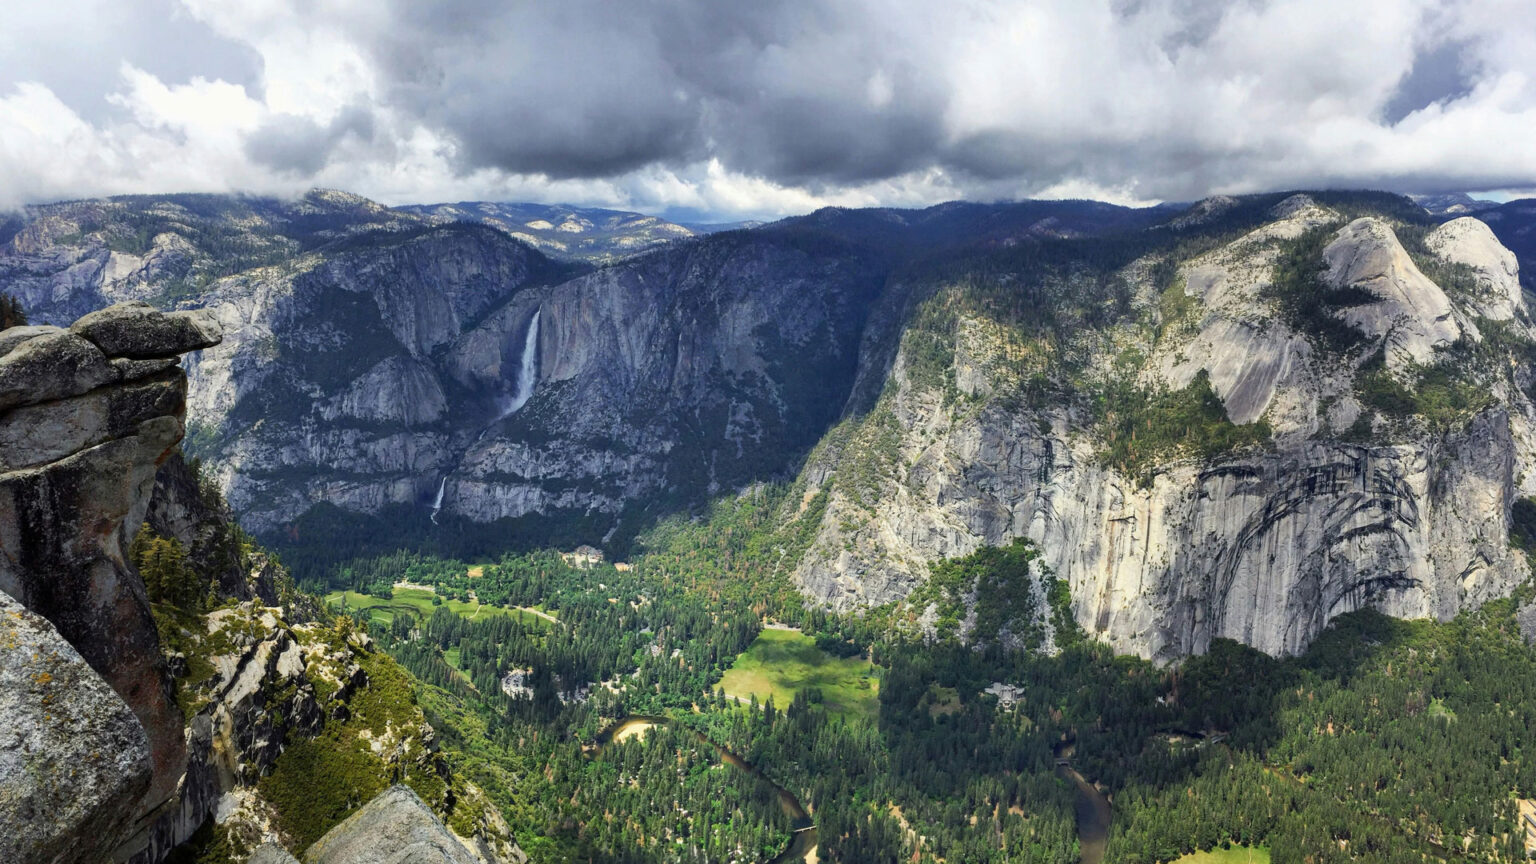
column 1093, row 813
column 527, row 377
column 527, row 371
column 801, row 842
column 437, row 503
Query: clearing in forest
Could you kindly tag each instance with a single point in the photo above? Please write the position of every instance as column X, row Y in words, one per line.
column 418, row 602
column 783, row 662
column 1235, row 855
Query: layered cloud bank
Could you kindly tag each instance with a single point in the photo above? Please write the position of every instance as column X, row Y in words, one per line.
column 761, row 109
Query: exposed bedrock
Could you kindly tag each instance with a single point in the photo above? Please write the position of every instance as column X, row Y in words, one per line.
column 1264, row 545
column 89, row 414
column 74, row 761
column 1265, row 550
column 395, row 826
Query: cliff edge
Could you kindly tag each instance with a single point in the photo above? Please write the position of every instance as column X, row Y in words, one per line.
column 89, row 413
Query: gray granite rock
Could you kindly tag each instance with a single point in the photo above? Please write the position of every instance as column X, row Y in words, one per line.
column 51, row 366
column 38, row 434
column 81, row 439
column 268, row 853
column 11, row 337
column 140, row 331
column 73, row 758
column 394, row 828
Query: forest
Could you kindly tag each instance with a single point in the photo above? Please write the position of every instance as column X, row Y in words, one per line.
column 1387, row 741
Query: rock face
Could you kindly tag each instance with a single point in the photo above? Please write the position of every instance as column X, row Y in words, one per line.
column 394, row 827
column 1471, row 242
column 178, row 510
column 685, row 371
column 1412, row 316
column 74, row 761
column 330, row 385
column 241, row 726
column 89, row 423
column 373, row 363
column 1264, row 547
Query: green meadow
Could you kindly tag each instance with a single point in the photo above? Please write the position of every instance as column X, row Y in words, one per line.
column 1235, row 855
column 783, row 662
column 418, row 602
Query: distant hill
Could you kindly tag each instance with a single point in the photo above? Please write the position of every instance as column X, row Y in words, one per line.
column 573, row 233
column 1453, row 204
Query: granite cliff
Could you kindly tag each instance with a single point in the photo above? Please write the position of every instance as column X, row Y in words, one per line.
column 1377, row 468
column 138, row 714
column 1237, row 419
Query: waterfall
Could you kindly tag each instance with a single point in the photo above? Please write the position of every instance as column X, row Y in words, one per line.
column 438, row 503
column 527, row 371
column 527, row 376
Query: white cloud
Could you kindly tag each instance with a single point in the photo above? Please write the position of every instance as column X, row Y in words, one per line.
column 769, row 108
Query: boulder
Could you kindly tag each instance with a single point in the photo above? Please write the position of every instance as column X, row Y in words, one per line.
column 73, row 758
column 394, row 827
column 10, row 337
column 50, row 366
column 132, row 370
column 139, row 331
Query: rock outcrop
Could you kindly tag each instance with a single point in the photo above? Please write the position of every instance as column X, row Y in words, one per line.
column 1265, row 546
column 1412, row 316
column 1471, row 242
column 74, row 761
column 395, row 826
column 90, row 412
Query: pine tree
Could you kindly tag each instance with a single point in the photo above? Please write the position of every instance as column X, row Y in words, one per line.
column 11, row 314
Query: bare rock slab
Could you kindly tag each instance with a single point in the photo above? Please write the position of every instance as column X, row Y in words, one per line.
column 74, row 759
column 142, row 332
column 394, row 828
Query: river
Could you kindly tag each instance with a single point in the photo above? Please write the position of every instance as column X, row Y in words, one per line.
column 802, row 844
column 1092, row 808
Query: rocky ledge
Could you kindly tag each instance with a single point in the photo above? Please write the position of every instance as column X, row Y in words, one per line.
column 87, row 414
column 395, row 826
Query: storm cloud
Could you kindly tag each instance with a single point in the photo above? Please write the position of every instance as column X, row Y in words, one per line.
column 770, row 107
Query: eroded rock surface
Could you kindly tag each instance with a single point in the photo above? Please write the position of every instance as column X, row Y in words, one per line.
column 74, row 761
column 1264, row 547
column 1412, row 314
column 394, row 827
column 90, row 420
column 1472, row 243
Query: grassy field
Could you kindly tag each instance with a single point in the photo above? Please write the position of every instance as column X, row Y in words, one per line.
column 418, row 601
column 783, row 662
column 1235, row 855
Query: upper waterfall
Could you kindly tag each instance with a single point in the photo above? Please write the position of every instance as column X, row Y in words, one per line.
column 527, row 371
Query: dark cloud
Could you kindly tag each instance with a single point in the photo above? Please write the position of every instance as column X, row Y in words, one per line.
column 565, row 89
column 796, row 91
column 766, row 107
column 299, row 145
column 1440, row 74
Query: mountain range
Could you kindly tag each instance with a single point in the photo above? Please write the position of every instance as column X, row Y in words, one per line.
column 1238, row 418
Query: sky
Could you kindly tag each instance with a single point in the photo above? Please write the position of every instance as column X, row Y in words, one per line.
column 729, row 109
